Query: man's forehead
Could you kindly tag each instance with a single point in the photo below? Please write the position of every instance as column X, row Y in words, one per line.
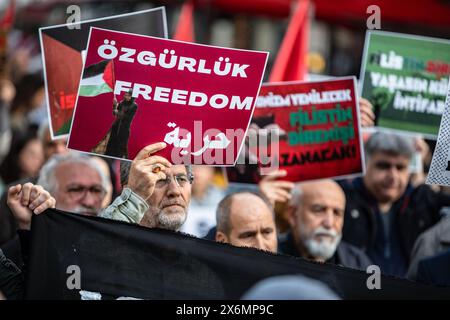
column 390, row 157
column 177, row 169
column 246, row 212
column 327, row 197
column 248, row 222
column 331, row 202
column 76, row 171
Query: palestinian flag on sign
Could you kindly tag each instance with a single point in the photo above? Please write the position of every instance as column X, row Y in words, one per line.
column 97, row 79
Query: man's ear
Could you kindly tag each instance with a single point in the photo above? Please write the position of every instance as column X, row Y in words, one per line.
column 221, row 237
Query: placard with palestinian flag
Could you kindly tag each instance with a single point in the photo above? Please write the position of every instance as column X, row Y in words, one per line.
column 62, row 49
column 196, row 98
column 97, row 79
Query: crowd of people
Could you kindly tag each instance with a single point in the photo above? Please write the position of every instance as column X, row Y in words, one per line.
column 379, row 219
column 389, row 217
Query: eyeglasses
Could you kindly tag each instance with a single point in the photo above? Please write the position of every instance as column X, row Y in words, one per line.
column 180, row 179
column 77, row 192
column 384, row 165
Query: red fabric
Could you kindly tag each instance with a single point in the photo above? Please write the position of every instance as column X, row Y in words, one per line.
column 108, row 74
column 432, row 13
column 8, row 18
column 61, row 77
column 290, row 63
column 273, row 8
column 185, row 27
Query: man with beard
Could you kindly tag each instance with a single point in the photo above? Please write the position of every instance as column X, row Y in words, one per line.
column 316, row 217
column 156, row 194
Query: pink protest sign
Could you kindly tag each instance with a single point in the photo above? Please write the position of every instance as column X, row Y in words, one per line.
column 138, row 90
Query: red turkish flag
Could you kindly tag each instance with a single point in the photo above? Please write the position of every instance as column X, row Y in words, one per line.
column 290, row 63
column 185, row 27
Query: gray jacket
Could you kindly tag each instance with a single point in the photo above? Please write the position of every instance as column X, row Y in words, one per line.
column 431, row 242
column 128, row 207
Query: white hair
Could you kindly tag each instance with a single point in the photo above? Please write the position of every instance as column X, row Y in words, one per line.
column 47, row 178
column 319, row 249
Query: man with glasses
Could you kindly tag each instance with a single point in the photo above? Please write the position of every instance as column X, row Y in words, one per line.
column 76, row 181
column 385, row 214
column 156, row 194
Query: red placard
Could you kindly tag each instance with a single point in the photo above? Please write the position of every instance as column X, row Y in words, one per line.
column 318, row 131
column 197, row 98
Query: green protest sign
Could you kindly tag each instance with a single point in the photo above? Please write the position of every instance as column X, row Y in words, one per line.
column 405, row 78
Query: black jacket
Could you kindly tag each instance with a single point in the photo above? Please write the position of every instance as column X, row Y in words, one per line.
column 8, row 224
column 11, row 279
column 346, row 255
column 435, row 270
column 417, row 210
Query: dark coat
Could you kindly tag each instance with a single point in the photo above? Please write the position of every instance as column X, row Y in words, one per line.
column 435, row 270
column 416, row 211
column 430, row 243
column 346, row 255
column 8, row 224
column 11, row 279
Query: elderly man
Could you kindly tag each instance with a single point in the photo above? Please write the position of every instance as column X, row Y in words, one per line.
column 246, row 219
column 316, row 217
column 76, row 181
column 156, row 193
column 385, row 214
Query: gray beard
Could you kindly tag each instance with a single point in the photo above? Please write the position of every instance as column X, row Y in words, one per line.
column 321, row 250
column 164, row 221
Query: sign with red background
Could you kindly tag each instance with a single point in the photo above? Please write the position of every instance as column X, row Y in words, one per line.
column 158, row 116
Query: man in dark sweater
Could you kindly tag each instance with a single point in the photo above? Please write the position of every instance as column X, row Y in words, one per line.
column 316, row 217
column 385, row 214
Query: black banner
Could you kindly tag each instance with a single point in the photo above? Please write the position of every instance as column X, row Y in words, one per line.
column 116, row 259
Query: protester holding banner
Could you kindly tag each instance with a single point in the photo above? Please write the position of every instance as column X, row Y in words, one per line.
column 156, row 194
column 77, row 183
column 385, row 214
column 50, row 147
column 23, row 200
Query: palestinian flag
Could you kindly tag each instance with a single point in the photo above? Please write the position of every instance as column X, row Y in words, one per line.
column 97, row 79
